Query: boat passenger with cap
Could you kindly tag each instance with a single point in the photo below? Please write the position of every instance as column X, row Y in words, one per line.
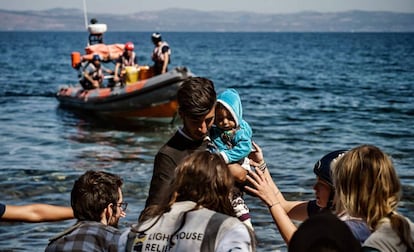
column 161, row 55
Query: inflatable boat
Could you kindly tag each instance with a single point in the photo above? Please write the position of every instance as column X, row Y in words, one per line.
column 140, row 96
column 152, row 98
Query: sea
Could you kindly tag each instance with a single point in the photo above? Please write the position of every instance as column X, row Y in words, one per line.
column 304, row 95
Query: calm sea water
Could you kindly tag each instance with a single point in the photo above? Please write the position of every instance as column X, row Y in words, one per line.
column 304, row 94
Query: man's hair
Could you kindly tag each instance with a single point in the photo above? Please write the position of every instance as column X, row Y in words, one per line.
column 92, row 192
column 196, row 96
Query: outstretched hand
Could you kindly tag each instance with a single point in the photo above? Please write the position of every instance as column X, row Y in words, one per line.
column 263, row 187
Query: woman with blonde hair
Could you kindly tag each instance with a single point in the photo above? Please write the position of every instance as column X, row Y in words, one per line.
column 283, row 211
column 368, row 186
column 197, row 215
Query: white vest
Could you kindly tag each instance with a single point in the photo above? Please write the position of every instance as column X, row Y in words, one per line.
column 203, row 231
column 385, row 238
column 157, row 53
column 128, row 62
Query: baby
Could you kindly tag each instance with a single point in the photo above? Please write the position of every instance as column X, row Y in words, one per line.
column 231, row 134
column 233, row 137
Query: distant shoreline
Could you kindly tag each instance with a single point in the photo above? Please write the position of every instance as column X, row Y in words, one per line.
column 177, row 20
column 264, row 32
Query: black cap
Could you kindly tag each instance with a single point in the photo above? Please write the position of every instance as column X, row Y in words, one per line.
column 322, row 168
column 156, row 37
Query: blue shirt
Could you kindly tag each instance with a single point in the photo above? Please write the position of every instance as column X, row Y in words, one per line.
column 358, row 227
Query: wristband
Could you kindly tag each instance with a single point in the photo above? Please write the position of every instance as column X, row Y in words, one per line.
column 262, row 167
column 274, row 204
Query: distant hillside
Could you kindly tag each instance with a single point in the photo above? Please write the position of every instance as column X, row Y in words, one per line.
column 192, row 20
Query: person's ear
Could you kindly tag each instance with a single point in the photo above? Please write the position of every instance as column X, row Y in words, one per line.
column 107, row 214
column 109, row 210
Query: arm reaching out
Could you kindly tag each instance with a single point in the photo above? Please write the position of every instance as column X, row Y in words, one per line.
column 264, row 188
column 37, row 213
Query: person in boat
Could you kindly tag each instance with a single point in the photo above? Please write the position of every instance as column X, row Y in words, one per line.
column 93, row 73
column 97, row 204
column 126, row 59
column 161, row 55
column 282, row 210
column 95, row 38
column 196, row 215
column 233, row 137
column 35, row 213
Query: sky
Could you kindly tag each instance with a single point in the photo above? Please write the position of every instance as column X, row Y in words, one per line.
column 259, row 6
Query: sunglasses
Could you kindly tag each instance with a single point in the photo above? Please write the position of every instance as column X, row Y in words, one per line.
column 123, row 205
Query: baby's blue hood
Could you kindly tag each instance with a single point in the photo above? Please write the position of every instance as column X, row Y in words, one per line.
column 231, row 100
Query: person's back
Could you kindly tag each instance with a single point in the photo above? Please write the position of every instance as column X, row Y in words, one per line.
column 96, row 200
column 197, row 215
column 365, row 173
column 384, row 238
column 204, row 230
column 86, row 236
